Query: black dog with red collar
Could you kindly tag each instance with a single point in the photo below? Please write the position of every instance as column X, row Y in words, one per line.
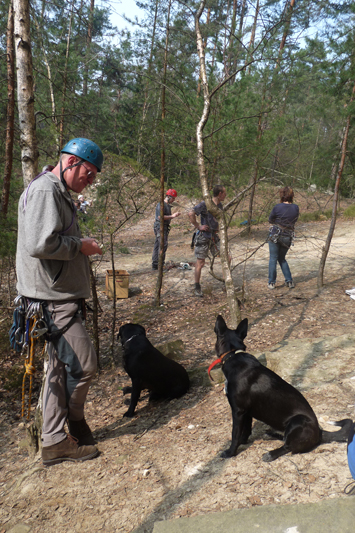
column 254, row 391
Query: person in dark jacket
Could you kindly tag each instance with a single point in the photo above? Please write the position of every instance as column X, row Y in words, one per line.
column 171, row 194
column 283, row 218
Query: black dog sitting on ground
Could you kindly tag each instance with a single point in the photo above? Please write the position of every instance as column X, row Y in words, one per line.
column 149, row 369
column 254, row 391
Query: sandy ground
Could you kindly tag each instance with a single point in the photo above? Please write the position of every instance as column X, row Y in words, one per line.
column 165, row 463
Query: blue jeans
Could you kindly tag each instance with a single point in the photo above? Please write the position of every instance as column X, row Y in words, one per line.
column 278, row 254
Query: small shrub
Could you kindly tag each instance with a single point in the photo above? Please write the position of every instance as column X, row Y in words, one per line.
column 350, row 211
column 123, row 250
column 315, row 216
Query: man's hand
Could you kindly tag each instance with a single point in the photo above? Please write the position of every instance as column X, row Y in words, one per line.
column 176, row 214
column 204, row 227
column 90, row 246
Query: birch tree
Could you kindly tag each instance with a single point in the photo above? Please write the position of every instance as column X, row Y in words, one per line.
column 217, row 213
column 25, row 93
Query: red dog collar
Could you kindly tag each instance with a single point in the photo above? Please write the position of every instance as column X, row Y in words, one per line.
column 219, row 360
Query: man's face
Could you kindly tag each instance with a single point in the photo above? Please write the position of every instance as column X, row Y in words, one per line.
column 222, row 195
column 79, row 177
column 171, row 199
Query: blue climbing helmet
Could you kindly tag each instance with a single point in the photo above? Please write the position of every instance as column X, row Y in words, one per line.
column 85, row 149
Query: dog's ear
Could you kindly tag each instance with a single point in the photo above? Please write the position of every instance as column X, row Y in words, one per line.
column 220, row 326
column 242, row 329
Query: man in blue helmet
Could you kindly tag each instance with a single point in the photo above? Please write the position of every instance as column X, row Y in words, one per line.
column 52, row 268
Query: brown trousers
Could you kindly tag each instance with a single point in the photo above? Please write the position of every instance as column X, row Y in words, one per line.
column 72, row 366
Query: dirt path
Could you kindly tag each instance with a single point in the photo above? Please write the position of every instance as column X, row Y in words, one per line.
column 164, row 463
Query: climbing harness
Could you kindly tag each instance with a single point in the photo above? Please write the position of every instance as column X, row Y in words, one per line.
column 282, row 236
column 28, row 326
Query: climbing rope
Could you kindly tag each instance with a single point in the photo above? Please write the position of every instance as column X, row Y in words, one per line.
column 29, row 369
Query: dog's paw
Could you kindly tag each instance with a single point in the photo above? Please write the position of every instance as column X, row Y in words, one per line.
column 129, row 414
column 127, row 401
column 126, row 390
column 226, row 454
column 267, row 457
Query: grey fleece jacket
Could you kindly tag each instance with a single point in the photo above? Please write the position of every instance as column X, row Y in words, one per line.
column 49, row 263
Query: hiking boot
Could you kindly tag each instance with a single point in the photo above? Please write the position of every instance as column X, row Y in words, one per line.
column 67, row 450
column 350, row 291
column 80, row 430
column 198, row 290
column 154, row 267
column 290, row 284
column 271, row 285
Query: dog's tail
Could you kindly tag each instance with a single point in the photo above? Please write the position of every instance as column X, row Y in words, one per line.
column 338, row 436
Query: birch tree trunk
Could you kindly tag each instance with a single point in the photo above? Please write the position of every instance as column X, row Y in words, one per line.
column 25, row 95
column 325, row 250
column 10, row 113
column 233, row 305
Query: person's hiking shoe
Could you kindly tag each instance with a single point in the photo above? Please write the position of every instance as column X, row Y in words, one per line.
column 80, row 430
column 67, row 450
column 350, row 291
column 271, row 285
column 154, row 267
column 352, row 296
column 198, row 290
column 290, row 284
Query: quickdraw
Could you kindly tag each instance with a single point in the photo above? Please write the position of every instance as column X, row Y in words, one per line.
column 35, row 327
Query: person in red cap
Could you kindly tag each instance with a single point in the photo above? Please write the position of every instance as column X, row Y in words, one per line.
column 171, row 194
